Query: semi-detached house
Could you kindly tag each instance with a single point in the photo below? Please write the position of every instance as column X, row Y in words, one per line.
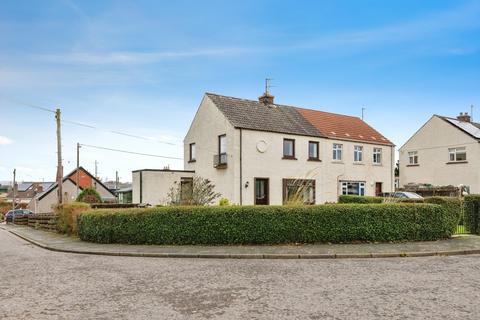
column 260, row 152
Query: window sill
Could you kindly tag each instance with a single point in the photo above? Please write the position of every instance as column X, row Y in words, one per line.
column 456, row 162
column 359, row 163
column 288, row 158
column 314, row 159
column 190, row 161
column 337, row 161
column 378, row 164
column 413, row 165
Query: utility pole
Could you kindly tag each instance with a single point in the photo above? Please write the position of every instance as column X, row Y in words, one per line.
column 471, row 113
column 96, row 174
column 116, row 184
column 78, row 168
column 363, row 110
column 59, row 157
column 14, row 189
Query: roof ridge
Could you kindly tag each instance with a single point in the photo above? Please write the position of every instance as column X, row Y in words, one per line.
column 282, row 105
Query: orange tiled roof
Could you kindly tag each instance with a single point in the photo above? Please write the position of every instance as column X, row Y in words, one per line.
column 337, row 126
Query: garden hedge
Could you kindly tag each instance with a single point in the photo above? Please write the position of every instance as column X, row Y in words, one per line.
column 359, row 199
column 267, row 224
column 472, row 213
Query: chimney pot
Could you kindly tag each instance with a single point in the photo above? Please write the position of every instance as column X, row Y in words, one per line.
column 464, row 117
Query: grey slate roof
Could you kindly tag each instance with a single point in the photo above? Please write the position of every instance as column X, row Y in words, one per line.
column 471, row 128
column 250, row 114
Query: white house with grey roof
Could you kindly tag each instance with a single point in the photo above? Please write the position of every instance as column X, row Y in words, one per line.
column 260, row 152
column 444, row 151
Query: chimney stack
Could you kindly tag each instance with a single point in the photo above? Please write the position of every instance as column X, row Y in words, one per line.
column 464, row 117
column 266, row 99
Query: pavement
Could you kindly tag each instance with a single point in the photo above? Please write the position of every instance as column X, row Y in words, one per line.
column 460, row 245
column 42, row 284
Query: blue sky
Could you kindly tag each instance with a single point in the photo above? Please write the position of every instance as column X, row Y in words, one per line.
column 142, row 67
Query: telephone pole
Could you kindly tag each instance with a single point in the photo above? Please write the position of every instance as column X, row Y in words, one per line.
column 96, row 174
column 116, row 184
column 363, row 111
column 59, row 157
column 78, row 167
column 14, row 189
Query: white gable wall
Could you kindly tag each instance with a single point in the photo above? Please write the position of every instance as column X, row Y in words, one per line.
column 432, row 142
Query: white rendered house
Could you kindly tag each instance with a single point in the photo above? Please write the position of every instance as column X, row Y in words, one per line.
column 259, row 152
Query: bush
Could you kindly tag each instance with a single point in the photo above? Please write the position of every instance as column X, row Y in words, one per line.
column 452, row 204
column 359, row 199
column 89, row 195
column 224, row 202
column 472, row 213
column 268, row 224
column 68, row 215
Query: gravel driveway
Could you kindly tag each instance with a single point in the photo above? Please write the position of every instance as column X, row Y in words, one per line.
column 40, row 284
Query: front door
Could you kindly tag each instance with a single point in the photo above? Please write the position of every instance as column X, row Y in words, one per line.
column 261, row 191
column 378, row 189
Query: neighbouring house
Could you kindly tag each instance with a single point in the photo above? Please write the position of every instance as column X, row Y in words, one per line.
column 444, row 151
column 124, row 195
column 259, row 152
column 151, row 186
column 26, row 191
column 45, row 201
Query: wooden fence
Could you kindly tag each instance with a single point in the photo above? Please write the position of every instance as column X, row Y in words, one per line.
column 46, row 221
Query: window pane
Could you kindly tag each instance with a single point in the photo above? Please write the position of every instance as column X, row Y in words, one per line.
column 312, row 150
column 288, row 148
column 461, row 156
column 223, row 144
column 192, row 152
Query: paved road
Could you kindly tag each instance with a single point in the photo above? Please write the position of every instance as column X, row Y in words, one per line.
column 48, row 285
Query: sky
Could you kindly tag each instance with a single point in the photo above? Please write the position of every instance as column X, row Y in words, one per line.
column 142, row 67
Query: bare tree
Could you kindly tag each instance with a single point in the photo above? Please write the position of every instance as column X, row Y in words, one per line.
column 195, row 192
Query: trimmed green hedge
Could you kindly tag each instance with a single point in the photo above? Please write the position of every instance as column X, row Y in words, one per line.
column 472, row 213
column 359, row 199
column 267, row 224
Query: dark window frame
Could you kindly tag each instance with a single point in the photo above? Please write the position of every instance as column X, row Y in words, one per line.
column 190, row 151
column 317, row 158
column 289, row 157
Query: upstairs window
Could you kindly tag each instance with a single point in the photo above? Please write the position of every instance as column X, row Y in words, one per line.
column 193, row 152
column 377, row 155
column 457, row 154
column 337, row 152
column 222, row 144
column 288, row 148
column 358, row 154
column 313, row 153
column 413, row 157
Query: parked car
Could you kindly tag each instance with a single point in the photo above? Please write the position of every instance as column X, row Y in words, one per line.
column 402, row 195
column 17, row 212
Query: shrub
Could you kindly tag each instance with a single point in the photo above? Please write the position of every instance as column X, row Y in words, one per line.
column 268, row 224
column 198, row 192
column 472, row 213
column 451, row 204
column 68, row 215
column 359, row 199
column 224, row 202
column 89, row 195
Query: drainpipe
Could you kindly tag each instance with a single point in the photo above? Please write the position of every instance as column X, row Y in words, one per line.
column 141, row 187
column 241, row 178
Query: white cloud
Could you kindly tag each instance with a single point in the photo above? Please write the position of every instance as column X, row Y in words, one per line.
column 4, row 140
column 128, row 57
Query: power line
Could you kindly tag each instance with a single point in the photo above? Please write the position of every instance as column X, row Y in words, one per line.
column 85, row 125
column 130, row 152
